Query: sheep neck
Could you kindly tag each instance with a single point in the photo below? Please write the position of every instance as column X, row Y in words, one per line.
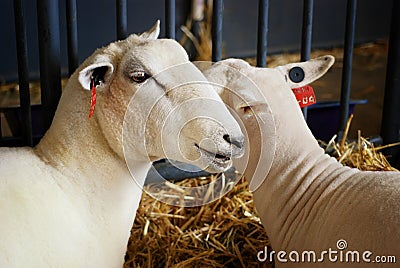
column 76, row 143
column 89, row 171
column 301, row 175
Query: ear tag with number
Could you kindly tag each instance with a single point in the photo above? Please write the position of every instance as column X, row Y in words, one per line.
column 305, row 96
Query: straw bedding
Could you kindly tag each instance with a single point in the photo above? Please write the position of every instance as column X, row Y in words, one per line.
column 224, row 233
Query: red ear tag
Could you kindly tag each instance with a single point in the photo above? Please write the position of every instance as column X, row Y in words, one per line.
column 93, row 99
column 305, row 96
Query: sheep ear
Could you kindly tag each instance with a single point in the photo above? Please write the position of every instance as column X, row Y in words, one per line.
column 303, row 73
column 100, row 71
column 152, row 33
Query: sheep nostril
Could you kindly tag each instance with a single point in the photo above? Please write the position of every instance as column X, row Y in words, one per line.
column 238, row 142
column 227, row 138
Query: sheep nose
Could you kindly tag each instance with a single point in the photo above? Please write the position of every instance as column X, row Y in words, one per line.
column 237, row 141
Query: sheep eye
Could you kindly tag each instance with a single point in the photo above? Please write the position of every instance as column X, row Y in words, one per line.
column 139, row 76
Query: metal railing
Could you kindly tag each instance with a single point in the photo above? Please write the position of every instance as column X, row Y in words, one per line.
column 49, row 50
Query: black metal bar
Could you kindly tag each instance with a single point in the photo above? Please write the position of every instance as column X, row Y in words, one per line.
column 347, row 63
column 170, row 18
column 390, row 129
column 122, row 19
column 217, row 31
column 12, row 116
column 262, row 33
column 49, row 52
column 72, row 36
column 23, row 74
column 306, row 36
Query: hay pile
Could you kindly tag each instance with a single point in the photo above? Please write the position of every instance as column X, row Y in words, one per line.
column 202, row 15
column 9, row 93
column 224, row 233
column 361, row 153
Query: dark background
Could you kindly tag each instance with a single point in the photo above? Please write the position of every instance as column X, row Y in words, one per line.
column 97, row 26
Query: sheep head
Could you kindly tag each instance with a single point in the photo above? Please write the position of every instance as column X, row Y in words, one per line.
column 266, row 108
column 153, row 103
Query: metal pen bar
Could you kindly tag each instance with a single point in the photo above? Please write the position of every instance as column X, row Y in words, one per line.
column 262, row 33
column 49, row 54
column 217, row 31
column 122, row 19
column 347, row 64
column 23, row 74
column 72, row 36
column 390, row 129
column 170, row 18
column 306, row 36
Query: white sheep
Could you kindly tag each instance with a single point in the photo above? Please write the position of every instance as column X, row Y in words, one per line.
column 308, row 202
column 71, row 201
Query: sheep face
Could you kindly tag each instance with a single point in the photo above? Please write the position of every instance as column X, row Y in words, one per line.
column 263, row 100
column 153, row 103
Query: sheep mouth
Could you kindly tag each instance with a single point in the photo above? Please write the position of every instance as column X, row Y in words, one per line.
column 217, row 162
